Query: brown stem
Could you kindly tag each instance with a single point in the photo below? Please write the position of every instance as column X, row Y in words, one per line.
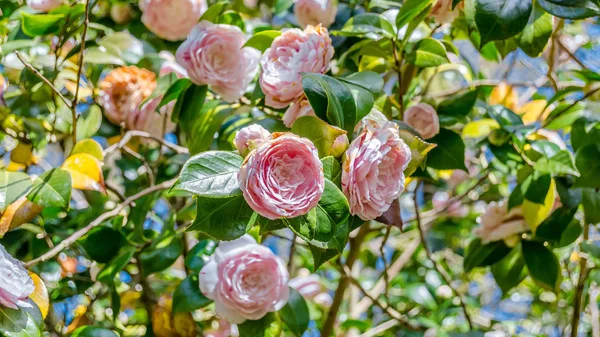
column 583, row 274
column 136, row 133
column 355, row 243
column 86, row 23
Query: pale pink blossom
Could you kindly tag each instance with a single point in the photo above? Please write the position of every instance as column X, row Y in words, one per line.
column 213, row 54
column 311, row 288
column 249, row 138
column 423, row 118
column 372, row 172
column 442, row 11
column 171, row 19
column 44, row 5
column 301, row 107
column 283, row 177
column 293, row 52
column 498, row 223
column 246, row 280
column 15, row 283
column 314, row 12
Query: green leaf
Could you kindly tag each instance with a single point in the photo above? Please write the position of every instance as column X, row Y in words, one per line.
column 510, row 271
column 23, row 322
column 552, row 228
column 591, row 205
column 543, row 265
column 321, row 134
column 295, row 313
column 111, row 241
column 162, row 255
column 537, row 32
column 418, row 148
column 411, row 10
column 205, row 124
column 92, row 331
column 573, row 10
column 188, row 297
column 419, row 293
column 262, row 40
column 584, row 132
column 13, row 185
column 110, row 270
column 365, row 86
column 190, row 101
column 332, row 169
column 90, row 147
column 459, row 105
column 268, row 326
column 591, row 249
column 559, row 164
column 223, row 219
column 40, row 24
column 174, row 90
column 88, row 123
column 586, row 160
column 51, row 189
column 197, row 257
column 501, row 19
column 479, row 128
column 538, row 188
column 428, row 53
column 214, row 11
column 365, row 23
column 478, row 255
column 449, row 153
column 331, row 100
column 505, row 117
column 212, row 174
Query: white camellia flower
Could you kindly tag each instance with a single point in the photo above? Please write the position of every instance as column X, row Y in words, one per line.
column 15, row 283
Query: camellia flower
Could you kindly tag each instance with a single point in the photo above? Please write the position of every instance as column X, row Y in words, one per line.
column 283, row 177
column 314, row 12
column 311, row 288
column 498, row 223
column 246, row 280
column 213, row 54
column 44, row 5
column 171, row 19
column 423, row 118
column 292, row 53
column 122, row 92
column 15, row 284
column 249, row 138
column 372, row 172
column 301, row 107
column 442, row 11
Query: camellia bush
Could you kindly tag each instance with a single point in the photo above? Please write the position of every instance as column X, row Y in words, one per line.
column 254, row 168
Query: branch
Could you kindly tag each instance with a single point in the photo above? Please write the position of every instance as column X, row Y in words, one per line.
column 136, row 133
column 552, row 118
column 583, row 275
column 86, row 23
column 439, row 268
column 98, row 221
column 43, row 78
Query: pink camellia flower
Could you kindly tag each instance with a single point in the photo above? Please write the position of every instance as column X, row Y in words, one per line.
column 246, row 280
column 15, row 283
column 283, row 177
column 171, row 19
column 498, row 223
column 44, row 5
column 442, row 11
column 249, row 138
column 311, row 288
column 292, row 53
column 301, row 107
column 213, row 54
column 372, row 172
column 423, row 118
column 314, row 12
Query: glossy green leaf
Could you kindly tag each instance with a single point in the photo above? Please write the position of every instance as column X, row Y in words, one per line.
column 161, row 255
column 188, row 297
column 479, row 255
column 586, row 160
column 365, row 23
column 509, row 271
column 411, row 10
column 449, row 153
column 199, row 255
column 574, row 10
column 552, row 228
column 174, row 90
column 542, row 264
column 501, row 19
column 13, row 185
column 88, row 123
column 111, row 240
column 51, row 189
column 428, row 53
column 262, row 40
column 268, row 326
column 591, row 205
column 40, row 24
column 92, row 331
column 223, row 219
column 23, row 322
column 459, row 105
column 537, row 32
column 295, row 313
column 110, row 270
column 332, row 169
column 319, row 132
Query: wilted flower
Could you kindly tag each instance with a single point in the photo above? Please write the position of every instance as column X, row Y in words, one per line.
column 15, row 284
column 213, row 54
column 372, row 172
column 292, row 53
column 249, row 138
column 246, row 280
column 44, row 5
column 498, row 223
column 171, row 19
column 283, row 177
column 423, row 118
column 314, row 12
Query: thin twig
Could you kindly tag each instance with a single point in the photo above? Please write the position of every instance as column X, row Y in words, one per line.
column 291, row 255
column 43, row 78
column 552, row 118
column 144, row 162
column 386, row 277
column 98, row 221
column 482, row 83
column 86, row 23
column 583, row 275
column 136, row 133
column 436, row 265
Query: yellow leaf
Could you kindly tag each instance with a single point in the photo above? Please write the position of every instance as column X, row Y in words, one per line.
column 18, row 213
column 504, row 94
column 165, row 324
column 86, row 172
column 534, row 111
column 23, row 154
column 88, row 146
column 479, row 128
column 40, row 294
column 535, row 214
